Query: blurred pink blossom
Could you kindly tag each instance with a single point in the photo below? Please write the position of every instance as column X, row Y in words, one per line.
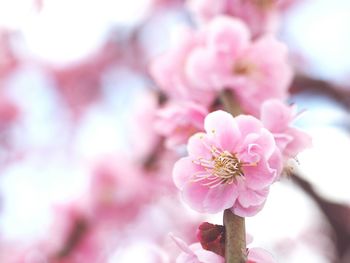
column 220, row 56
column 254, row 70
column 110, row 195
column 259, row 255
column 232, row 165
column 170, row 73
column 262, row 16
column 278, row 118
column 178, row 121
column 195, row 253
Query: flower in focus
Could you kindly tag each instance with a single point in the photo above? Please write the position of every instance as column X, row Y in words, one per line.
column 177, row 122
column 231, row 166
column 277, row 118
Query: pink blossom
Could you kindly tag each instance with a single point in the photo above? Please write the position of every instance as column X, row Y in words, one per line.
column 261, row 16
column 195, row 253
column 178, row 121
column 232, row 165
column 110, row 197
column 220, row 56
column 277, row 118
column 253, row 70
column 169, row 70
column 259, row 255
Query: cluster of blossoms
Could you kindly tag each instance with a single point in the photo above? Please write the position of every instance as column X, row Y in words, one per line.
column 232, row 160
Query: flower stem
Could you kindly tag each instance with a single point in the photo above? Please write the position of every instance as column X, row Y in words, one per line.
column 235, row 243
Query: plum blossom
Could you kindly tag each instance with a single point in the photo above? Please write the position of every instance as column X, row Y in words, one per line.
column 169, row 70
column 277, row 118
column 221, row 55
column 230, row 166
column 196, row 254
column 178, row 121
column 254, row 70
column 110, row 197
column 261, row 16
column 259, row 255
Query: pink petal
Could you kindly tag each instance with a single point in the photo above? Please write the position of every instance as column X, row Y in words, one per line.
column 239, row 210
column 262, row 144
column 227, row 35
column 199, row 146
column 250, row 197
column 205, row 256
column 183, row 170
column 209, row 200
column 260, row 176
column 181, row 244
column 275, row 115
column 222, row 128
column 282, row 140
column 248, row 124
column 301, row 140
column 200, row 69
column 259, row 255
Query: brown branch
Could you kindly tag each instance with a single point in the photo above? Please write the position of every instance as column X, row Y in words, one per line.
column 308, row 84
column 235, row 243
column 337, row 215
column 77, row 233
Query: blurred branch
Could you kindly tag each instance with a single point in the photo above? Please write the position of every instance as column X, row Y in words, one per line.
column 339, row 94
column 337, row 215
column 77, row 233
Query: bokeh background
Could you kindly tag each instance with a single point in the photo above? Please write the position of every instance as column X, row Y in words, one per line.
column 75, row 90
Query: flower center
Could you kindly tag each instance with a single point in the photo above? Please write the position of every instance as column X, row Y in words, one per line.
column 243, row 67
column 223, row 168
column 264, row 4
column 227, row 166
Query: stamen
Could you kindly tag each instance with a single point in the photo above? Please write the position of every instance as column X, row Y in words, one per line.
column 223, row 168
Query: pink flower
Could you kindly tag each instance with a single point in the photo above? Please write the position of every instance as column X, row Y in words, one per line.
column 220, row 56
column 178, row 121
column 169, row 71
column 277, row 118
column 110, row 197
column 195, row 253
column 261, row 16
column 259, row 255
column 231, row 166
column 254, row 71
